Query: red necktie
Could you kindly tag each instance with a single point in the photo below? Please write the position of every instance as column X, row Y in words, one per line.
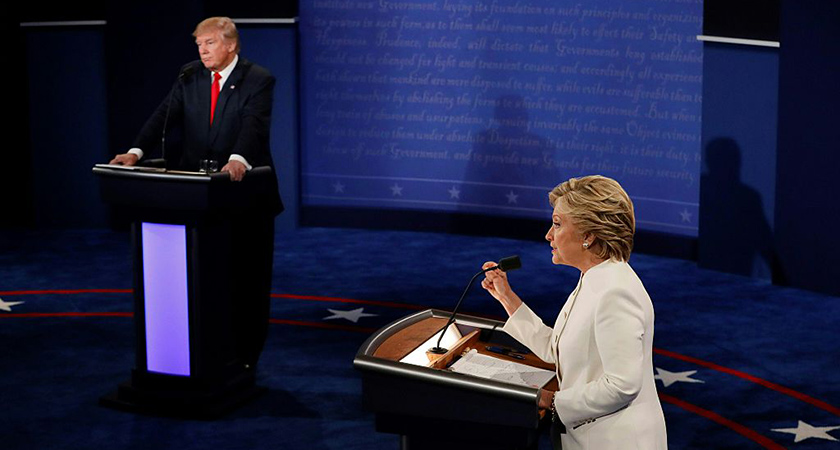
column 214, row 94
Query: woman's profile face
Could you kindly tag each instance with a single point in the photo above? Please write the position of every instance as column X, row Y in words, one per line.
column 565, row 240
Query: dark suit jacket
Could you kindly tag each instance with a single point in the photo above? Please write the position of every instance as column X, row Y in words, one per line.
column 241, row 121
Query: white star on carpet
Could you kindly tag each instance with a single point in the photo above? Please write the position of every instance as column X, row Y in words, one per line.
column 512, row 198
column 806, row 431
column 455, row 193
column 353, row 315
column 669, row 378
column 338, row 187
column 686, row 216
column 7, row 306
column 396, row 190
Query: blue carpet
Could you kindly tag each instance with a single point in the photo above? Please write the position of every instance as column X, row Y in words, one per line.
column 765, row 357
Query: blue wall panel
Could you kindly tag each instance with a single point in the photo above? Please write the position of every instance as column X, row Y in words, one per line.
column 68, row 124
column 275, row 48
column 737, row 191
column 807, row 206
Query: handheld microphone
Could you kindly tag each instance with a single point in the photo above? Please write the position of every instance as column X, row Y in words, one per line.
column 186, row 73
column 505, row 265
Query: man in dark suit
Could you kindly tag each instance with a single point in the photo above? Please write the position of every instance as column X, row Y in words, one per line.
column 235, row 131
column 222, row 104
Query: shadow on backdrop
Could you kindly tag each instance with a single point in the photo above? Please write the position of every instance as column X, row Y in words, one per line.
column 506, row 157
column 735, row 235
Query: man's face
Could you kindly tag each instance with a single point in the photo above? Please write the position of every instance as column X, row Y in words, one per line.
column 215, row 52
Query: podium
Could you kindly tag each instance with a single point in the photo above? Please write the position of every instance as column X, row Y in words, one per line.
column 196, row 291
column 431, row 407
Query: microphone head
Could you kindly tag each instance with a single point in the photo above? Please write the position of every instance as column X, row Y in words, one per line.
column 510, row 263
column 186, row 73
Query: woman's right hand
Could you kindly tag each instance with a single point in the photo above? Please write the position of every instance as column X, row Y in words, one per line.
column 496, row 283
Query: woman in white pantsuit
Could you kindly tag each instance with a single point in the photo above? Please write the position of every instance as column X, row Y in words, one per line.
column 602, row 340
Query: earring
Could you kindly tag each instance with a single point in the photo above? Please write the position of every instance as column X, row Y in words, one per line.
column 586, row 245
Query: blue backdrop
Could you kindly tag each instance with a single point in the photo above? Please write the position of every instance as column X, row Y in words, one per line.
column 484, row 106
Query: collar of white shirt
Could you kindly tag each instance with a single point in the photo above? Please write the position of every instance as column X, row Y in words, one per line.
column 225, row 73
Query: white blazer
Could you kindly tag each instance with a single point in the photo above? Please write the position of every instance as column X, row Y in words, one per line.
column 602, row 345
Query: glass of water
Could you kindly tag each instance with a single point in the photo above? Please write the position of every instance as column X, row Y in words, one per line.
column 208, row 166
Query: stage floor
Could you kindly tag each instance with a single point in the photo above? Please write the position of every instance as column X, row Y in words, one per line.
column 740, row 363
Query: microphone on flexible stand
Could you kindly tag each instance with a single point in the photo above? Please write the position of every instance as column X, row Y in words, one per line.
column 505, row 265
column 186, row 73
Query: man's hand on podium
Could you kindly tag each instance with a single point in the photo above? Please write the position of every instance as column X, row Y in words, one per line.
column 126, row 159
column 236, row 170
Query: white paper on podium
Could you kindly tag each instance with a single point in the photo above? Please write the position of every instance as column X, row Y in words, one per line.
column 117, row 167
column 484, row 366
column 130, row 168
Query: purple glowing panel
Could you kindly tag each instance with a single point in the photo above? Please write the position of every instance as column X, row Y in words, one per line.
column 165, row 297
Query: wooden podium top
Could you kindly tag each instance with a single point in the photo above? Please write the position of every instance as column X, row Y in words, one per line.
column 406, row 340
column 433, row 391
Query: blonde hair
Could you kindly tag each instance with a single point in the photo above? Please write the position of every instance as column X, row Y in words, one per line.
column 224, row 25
column 599, row 206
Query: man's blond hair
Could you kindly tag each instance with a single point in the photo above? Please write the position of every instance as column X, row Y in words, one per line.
column 224, row 25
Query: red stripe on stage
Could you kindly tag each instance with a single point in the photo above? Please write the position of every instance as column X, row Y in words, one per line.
column 69, row 291
column 375, row 303
column 330, row 326
column 720, row 420
column 350, row 300
column 298, row 297
column 67, row 314
column 773, row 386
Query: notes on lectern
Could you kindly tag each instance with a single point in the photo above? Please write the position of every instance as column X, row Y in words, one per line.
column 484, row 366
column 117, row 167
column 130, row 168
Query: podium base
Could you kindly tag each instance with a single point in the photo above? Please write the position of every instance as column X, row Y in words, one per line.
column 183, row 401
column 425, row 433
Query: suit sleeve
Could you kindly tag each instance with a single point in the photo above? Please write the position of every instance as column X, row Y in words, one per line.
column 526, row 327
column 619, row 336
column 152, row 131
column 252, row 141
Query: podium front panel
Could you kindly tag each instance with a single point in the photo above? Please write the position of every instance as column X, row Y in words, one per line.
column 165, row 298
